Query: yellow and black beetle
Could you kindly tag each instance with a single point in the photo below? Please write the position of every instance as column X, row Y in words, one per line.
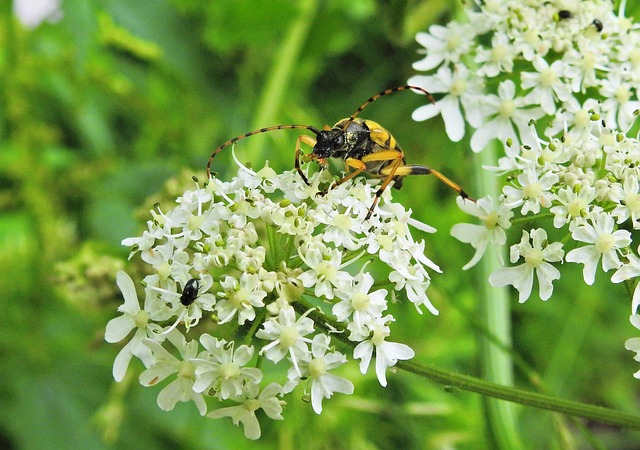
column 364, row 145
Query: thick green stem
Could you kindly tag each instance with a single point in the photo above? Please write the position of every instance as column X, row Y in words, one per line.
column 479, row 386
column 495, row 316
column 284, row 63
column 520, row 396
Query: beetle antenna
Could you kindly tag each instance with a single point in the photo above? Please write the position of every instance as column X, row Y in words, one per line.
column 382, row 94
column 252, row 133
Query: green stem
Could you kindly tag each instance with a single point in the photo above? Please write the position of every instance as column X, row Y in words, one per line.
column 287, row 248
column 531, row 218
column 272, row 253
column 479, row 386
column 523, row 397
column 284, row 63
column 495, row 316
column 254, row 327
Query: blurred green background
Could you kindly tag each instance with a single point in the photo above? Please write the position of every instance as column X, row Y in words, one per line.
column 99, row 110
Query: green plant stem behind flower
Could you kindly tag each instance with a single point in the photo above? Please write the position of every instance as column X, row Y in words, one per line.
column 495, row 314
column 489, row 389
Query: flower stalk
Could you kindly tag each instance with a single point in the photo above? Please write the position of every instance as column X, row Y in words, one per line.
column 487, row 388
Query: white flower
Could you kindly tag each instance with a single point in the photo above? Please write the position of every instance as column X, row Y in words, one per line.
column 33, row 12
column 534, row 191
column 387, row 353
column 506, row 111
column 132, row 318
column 627, row 271
column 627, row 197
column 323, row 383
column 618, row 90
column 581, row 70
column 145, row 242
column 537, row 253
column 287, row 336
column 245, row 412
column 573, row 119
column 189, row 314
column 633, row 344
column 461, row 89
column 547, row 83
column 415, row 281
column 341, row 230
column 240, row 297
column 324, row 272
column 358, row 303
column 221, row 369
column 165, row 364
column 498, row 58
column 444, row 44
column 495, row 220
column 604, row 242
column 572, row 204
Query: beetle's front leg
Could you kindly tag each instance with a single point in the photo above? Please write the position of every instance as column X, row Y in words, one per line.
column 311, row 142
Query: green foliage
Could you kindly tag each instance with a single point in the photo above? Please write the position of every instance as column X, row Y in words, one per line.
column 98, row 110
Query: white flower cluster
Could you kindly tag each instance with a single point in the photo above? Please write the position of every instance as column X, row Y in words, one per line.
column 567, row 70
column 265, row 258
column 512, row 62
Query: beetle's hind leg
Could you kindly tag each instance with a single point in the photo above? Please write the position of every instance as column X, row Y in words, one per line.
column 413, row 169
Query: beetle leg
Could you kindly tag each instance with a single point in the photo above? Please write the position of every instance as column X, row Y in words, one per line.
column 359, row 167
column 354, row 163
column 310, row 142
column 406, row 170
column 390, row 171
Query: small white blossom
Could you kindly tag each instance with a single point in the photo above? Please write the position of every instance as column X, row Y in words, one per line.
column 498, row 58
column 221, row 368
column 415, row 281
column 443, row 44
column 323, row 383
column 33, row 12
column 240, row 297
column 633, row 344
column 165, row 364
column 509, row 117
column 359, row 303
column 618, row 90
column 132, row 318
column 572, row 204
column 287, row 336
column 628, row 271
column 604, row 243
column 461, row 91
column 627, row 197
column 245, row 412
column 324, row 272
column 189, row 314
column 547, row 83
column 495, row 220
column 534, row 191
column 387, row 353
column 537, row 254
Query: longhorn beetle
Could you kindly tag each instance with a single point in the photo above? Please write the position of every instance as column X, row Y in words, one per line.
column 364, row 145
